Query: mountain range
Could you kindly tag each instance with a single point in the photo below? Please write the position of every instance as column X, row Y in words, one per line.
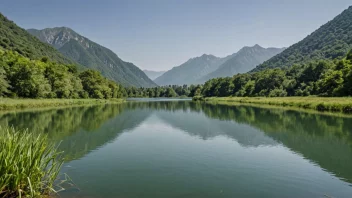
column 200, row 69
column 245, row 60
column 93, row 56
column 191, row 71
column 153, row 74
column 331, row 41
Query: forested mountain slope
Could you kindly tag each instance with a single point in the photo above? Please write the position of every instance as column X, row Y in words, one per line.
column 17, row 39
column 330, row 41
column 93, row 56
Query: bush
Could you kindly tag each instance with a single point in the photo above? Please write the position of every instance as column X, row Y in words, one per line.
column 277, row 93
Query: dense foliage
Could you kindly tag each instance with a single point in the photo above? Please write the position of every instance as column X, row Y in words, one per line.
column 330, row 41
column 164, row 91
column 93, row 56
column 323, row 78
column 17, row 39
column 26, row 78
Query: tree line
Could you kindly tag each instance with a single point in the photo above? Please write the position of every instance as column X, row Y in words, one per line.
column 164, row 91
column 25, row 78
column 322, row 78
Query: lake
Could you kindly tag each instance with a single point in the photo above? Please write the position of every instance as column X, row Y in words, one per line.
column 179, row 148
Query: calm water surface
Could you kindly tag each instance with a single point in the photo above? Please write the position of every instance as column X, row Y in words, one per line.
column 183, row 149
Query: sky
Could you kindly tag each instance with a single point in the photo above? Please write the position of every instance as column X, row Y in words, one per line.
column 160, row 34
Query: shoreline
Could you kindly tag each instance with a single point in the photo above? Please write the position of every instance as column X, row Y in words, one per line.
column 320, row 104
column 8, row 104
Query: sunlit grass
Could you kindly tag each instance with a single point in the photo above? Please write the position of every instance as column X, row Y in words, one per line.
column 10, row 104
column 334, row 104
column 29, row 164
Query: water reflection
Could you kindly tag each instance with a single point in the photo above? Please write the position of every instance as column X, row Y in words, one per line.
column 322, row 139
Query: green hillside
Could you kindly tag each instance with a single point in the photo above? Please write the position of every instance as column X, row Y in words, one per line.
column 17, row 39
column 330, row 41
column 93, row 56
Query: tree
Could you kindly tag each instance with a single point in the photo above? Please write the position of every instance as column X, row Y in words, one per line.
column 170, row 92
column 27, row 79
column 4, row 85
column 330, row 83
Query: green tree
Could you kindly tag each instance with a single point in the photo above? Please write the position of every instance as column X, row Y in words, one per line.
column 4, row 85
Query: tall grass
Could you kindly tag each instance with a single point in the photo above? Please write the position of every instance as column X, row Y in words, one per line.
column 333, row 104
column 11, row 104
column 29, row 164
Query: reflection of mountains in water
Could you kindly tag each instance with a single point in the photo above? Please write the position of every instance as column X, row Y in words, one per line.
column 322, row 139
column 82, row 142
column 325, row 140
column 197, row 124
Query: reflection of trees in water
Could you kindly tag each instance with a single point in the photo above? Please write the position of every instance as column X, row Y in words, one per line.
column 58, row 123
column 325, row 140
column 82, row 129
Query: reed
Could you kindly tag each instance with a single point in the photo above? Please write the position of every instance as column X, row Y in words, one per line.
column 29, row 164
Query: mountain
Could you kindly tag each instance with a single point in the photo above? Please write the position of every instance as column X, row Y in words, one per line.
column 245, row 60
column 191, row 71
column 93, row 56
column 153, row 74
column 17, row 39
column 330, row 41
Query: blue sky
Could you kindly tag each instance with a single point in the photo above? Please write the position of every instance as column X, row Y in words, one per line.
column 161, row 34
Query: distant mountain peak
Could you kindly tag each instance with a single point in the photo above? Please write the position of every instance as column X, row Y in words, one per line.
column 59, row 36
column 191, row 71
column 243, row 61
column 254, row 47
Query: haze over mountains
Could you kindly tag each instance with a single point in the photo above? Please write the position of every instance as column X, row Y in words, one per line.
column 200, row 69
column 191, row 71
column 153, row 74
column 93, row 56
column 245, row 60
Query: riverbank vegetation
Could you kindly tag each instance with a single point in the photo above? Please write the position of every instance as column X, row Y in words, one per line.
column 13, row 104
column 29, row 164
column 25, row 78
column 333, row 104
column 323, row 78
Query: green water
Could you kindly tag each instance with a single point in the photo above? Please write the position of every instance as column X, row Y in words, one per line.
column 181, row 149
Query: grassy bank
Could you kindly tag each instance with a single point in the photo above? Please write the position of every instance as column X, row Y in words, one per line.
column 12, row 104
column 336, row 104
column 29, row 164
